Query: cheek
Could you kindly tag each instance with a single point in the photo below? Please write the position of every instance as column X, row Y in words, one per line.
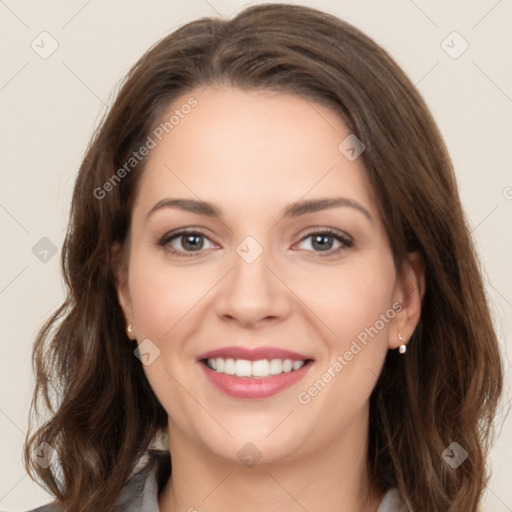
column 351, row 298
column 365, row 297
column 364, row 304
column 162, row 300
column 352, row 304
column 160, row 295
column 357, row 307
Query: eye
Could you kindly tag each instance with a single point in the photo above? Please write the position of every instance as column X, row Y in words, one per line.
column 185, row 241
column 325, row 240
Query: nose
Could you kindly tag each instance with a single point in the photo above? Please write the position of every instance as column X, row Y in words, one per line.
column 253, row 294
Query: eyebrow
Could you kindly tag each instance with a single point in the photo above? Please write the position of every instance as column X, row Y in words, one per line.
column 292, row 210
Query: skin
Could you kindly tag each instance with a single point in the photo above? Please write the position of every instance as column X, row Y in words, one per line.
column 251, row 153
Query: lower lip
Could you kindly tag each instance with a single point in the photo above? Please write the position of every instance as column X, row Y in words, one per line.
column 260, row 387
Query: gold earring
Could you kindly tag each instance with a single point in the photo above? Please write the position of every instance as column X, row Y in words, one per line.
column 129, row 330
column 402, row 349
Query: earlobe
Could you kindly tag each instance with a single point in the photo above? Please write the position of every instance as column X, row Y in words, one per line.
column 411, row 290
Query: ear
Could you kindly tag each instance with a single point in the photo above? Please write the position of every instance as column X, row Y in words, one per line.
column 409, row 293
column 122, row 287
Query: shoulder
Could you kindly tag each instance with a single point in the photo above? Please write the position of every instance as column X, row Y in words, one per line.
column 50, row 507
column 141, row 491
column 392, row 502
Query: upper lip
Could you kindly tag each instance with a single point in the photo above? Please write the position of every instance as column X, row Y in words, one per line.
column 253, row 354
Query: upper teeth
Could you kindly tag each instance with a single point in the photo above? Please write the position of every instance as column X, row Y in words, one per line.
column 246, row 368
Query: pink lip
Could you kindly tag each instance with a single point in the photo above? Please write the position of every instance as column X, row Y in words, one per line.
column 252, row 387
column 253, row 354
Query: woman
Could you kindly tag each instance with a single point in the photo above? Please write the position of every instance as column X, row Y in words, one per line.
column 269, row 266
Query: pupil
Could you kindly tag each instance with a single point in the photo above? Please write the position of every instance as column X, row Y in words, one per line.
column 322, row 244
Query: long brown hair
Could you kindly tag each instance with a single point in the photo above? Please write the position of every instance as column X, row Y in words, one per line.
column 103, row 413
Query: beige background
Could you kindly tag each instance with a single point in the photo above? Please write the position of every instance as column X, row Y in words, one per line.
column 50, row 106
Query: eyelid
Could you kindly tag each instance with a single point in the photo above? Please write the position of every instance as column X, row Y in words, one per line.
column 331, row 231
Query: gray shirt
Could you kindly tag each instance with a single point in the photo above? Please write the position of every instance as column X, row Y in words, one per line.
column 141, row 492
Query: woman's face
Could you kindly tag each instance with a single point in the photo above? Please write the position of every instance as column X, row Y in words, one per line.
column 288, row 267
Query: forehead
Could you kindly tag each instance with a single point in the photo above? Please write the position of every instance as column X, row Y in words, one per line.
column 251, row 148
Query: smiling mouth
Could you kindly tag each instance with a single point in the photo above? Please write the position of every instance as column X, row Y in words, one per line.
column 260, row 369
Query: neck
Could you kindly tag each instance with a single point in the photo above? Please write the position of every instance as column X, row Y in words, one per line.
column 332, row 479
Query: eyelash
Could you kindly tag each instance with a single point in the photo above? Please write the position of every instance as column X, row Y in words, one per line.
column 343, row 239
